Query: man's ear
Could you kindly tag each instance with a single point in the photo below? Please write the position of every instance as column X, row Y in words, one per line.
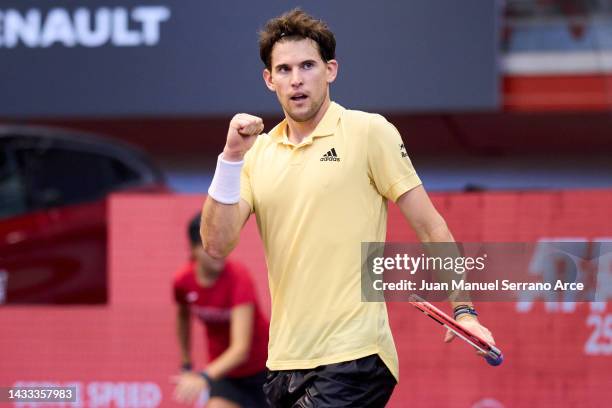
column 267, row 76
column 332, row 70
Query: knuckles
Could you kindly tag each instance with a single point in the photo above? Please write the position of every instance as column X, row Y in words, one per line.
column 247, row 117
column 246, row 125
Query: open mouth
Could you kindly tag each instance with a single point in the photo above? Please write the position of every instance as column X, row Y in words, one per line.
column 298, row 97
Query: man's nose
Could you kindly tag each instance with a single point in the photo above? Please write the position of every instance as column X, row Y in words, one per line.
column 296, row 78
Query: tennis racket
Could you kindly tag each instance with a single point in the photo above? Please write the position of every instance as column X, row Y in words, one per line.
column 492, row 354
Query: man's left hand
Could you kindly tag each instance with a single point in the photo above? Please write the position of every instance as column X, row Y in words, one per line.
column 472, row 324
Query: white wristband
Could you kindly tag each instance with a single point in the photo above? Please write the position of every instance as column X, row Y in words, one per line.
column 225, row 185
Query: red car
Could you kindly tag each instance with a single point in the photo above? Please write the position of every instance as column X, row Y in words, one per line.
column 53, row 226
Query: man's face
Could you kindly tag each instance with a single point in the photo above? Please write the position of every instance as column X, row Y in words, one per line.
column 300, row 77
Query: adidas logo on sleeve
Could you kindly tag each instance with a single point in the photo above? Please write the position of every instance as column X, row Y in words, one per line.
column 331, row 155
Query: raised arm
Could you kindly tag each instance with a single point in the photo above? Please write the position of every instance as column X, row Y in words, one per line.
column 224, row 213
column 221, row 225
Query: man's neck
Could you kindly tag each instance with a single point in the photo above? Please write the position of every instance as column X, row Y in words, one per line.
column 298, row 131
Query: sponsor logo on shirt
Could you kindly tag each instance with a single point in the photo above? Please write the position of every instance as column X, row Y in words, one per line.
column 211, row 314
column 403, row 151
column 192, row 297
column 331, row 155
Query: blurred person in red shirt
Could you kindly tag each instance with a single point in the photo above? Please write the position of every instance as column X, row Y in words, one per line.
column 221, row 294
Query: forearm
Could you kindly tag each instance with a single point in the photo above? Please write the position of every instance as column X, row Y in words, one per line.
column 220, row 227
column 436, row 231
column 431, row 228
column 441, row 233
column 183, row 331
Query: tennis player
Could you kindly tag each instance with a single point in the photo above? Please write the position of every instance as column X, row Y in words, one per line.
column 318, row 184
column 221, row 295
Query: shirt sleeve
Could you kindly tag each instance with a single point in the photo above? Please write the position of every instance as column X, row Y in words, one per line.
column 243, row 291
column 389, row 166
column 180, row 283
column 246, row 191
column 179, row 292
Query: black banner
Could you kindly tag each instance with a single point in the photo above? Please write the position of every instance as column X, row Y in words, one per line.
column 190, row 57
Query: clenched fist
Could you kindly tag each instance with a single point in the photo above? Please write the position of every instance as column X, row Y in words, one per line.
column 243, row 129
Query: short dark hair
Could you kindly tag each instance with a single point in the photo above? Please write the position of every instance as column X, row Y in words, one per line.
column 193, row 230
column 296, row 25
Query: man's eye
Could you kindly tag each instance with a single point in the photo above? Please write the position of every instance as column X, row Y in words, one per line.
column 283, row 69
column 308, row 65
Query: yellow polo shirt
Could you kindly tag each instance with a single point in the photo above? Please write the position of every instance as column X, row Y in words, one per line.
column 315, row 203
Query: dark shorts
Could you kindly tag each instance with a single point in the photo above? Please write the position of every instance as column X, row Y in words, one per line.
column 244, row 391
column 365, row 382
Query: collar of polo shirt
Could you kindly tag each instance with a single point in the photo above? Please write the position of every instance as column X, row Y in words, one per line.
column 326, row 127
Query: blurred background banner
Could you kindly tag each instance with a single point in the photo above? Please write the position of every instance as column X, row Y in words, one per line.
column 191, row 57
